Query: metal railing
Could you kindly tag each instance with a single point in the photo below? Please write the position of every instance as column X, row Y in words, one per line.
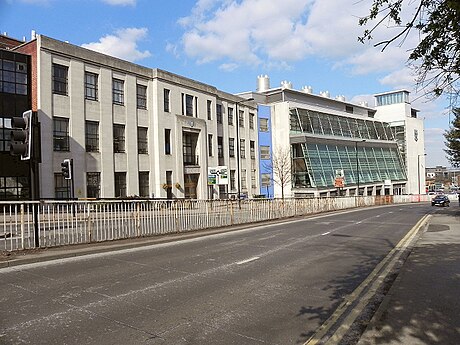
column 25, row 225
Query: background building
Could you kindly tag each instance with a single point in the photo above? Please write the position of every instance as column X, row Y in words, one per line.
column 136, row 131
column 336, row 147
column 395, row 108
column 16, row 176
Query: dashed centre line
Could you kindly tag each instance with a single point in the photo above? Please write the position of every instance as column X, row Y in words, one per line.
column 248, row 260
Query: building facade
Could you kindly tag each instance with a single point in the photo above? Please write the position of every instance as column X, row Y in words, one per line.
column 395, row 109
column 16, row 176
column 336, row 147
column 136, row 131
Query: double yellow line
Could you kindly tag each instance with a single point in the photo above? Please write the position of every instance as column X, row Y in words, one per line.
column 372, row 284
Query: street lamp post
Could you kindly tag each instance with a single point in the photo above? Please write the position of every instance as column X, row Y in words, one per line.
column 238, row 145
column 357, row 162
column 418, row 172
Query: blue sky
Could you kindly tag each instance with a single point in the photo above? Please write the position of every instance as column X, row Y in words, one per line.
column 228, row 43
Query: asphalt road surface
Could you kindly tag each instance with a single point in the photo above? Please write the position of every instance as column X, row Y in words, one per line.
column 267, row 284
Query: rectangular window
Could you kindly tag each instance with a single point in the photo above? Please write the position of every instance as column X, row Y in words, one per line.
column 144, row 184
column 91, row 86
column 166, row 94
column 253, row 179
column 167, row 141
column 266, row 178
column 92, row 136
column 61, row 134
column 230, row 116
column 188, row 105
column 231, row 147
column 232, row 180
column 243, row 179
column 168, row 186
column 349, row 109
column 263, row 125
column 142, row 140
column 13, row 77
column 14, row 188
column 118, row 91
column 241, row 118
column 5, row 134
column 251, row 120
column 61, row 187
column 210, row 144
column 252, row 149
column 242, row 148
column 93, row 185
column 141, row 92
column 60, row 79
column 265, row 152
column 220, row 147
column 120, row 184
column 209, row 109
column 118, row 138
column 219, row 113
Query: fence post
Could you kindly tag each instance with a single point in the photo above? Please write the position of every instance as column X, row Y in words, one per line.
column 22, row 225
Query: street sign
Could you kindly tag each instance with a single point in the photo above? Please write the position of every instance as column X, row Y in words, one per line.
column 218, row 175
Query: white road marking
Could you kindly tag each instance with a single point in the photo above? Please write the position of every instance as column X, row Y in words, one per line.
column 326, row 233
column 248, row 260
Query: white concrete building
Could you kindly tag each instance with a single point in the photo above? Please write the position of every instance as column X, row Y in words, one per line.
column 136, row 131
column 394, row 107
column 337, row 147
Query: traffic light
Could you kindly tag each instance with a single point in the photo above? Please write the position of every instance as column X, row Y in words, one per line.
column 66, row 167
column 21, row 135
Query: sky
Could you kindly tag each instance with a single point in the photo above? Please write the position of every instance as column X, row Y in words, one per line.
column 228, row 43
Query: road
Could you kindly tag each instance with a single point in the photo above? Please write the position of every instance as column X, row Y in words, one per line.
column 267, row 284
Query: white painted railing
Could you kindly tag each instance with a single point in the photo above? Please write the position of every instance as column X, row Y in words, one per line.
column 25, row 225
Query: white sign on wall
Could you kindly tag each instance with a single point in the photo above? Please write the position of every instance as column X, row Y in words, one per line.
column 218, row 175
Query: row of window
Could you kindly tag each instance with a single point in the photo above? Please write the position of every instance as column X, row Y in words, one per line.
column 93, row 185
column 60, row 87
column 189, row 102
column 61, row 140
column 15, row 188
column 307, row 121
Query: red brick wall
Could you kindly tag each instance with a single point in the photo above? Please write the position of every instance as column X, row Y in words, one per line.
column 30, row 48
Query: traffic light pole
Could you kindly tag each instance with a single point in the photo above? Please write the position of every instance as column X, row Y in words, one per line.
column 72, row 183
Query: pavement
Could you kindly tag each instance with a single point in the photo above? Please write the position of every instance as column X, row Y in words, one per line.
column 423, row 304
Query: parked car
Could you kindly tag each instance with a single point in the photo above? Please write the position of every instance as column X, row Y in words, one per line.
column 440, row 200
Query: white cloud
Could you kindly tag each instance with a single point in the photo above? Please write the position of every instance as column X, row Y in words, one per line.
column 123, row 44
column 120, row 2
column 258, row 32
column 228, row 67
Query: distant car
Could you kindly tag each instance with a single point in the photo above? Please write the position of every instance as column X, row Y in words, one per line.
column 440, row 200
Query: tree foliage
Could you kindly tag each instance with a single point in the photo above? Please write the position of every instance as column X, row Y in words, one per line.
column 436, row 58
column 453, row 140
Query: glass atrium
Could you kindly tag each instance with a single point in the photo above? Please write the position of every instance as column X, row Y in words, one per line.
column 331, row 143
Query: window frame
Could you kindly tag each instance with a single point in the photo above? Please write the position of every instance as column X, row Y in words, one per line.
column 91, row 86
column 92, row 137
column 61, row 134
column 118, row 91
column 119, row 142
column 141, row 96
column 60, row 77
column 142, row 140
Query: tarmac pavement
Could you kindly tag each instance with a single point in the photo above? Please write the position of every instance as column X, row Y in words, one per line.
column 422, row 306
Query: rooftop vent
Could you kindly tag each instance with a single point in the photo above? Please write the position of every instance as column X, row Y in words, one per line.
column 307, row 89
column 340, row 98
column 263, row 83
column 325, row 94
column 286, row 84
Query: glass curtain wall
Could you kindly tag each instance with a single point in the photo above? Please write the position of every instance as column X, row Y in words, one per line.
column 315, row 164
